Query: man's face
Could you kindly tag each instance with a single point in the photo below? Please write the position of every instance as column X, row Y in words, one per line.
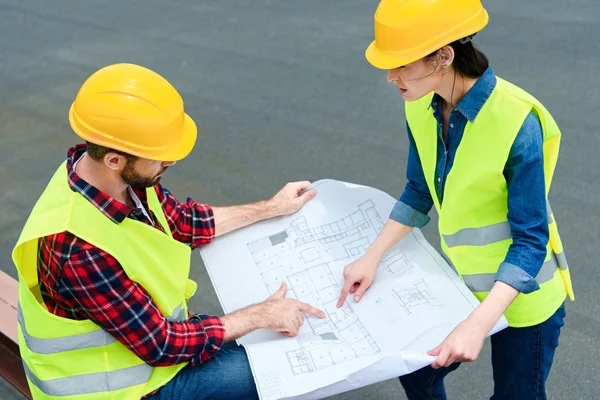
column 142, row 173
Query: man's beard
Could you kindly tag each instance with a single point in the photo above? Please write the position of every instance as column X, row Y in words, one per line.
column 136, row 181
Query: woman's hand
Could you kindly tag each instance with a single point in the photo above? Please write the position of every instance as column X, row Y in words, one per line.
column 358, row 276
column 462, row 345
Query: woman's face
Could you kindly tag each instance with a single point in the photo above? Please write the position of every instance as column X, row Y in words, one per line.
column 418, row 78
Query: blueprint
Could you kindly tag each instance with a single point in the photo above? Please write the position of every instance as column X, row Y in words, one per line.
column 414, row 303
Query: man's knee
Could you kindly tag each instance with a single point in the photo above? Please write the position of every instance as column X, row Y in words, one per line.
column 227, row 375
column 234, row 373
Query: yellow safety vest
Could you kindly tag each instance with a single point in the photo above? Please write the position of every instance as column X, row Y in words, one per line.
column 68, row 359
column 473, row 224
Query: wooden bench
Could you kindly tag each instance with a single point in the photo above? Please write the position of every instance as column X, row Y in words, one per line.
column 11, row 368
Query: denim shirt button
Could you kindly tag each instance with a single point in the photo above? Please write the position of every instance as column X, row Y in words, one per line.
column 451, row 125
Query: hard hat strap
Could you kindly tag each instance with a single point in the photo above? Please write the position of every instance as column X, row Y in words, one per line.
column 466, row 39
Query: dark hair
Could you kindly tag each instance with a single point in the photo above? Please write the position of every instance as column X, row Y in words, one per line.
column 97, row 152
column 468, row 61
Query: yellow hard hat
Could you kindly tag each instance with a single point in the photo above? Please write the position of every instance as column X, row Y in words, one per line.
column 408, row 30
column 130, row 108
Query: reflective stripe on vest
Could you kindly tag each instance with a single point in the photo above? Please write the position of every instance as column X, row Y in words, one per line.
column 92, row 383
column 562, row 261
column 178, row 314
column 58, row 345
column 549, row 212
column 85, row 383
column 485, row 282
column 479, row 236
column 487, row 234
column 77, row 342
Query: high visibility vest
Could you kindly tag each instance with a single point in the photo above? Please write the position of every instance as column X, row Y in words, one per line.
column 473, row 224
column 76, row 359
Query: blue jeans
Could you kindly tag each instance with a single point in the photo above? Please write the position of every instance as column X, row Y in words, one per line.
column 227, row 375
column 521, row 361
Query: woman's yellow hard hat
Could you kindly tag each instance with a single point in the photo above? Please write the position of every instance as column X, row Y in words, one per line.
column 130, row 108
column 408, row 30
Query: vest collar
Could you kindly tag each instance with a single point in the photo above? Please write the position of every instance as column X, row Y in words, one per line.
column 110, row 207
column 471, row 103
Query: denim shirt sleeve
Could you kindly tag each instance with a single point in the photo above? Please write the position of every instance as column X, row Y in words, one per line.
column 415, row 202
column 524, row 173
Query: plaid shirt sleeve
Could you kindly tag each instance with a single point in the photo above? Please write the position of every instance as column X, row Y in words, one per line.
column 191, row 222
column 93, row 284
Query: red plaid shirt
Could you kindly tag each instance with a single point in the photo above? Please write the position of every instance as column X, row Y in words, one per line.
column 81, row 281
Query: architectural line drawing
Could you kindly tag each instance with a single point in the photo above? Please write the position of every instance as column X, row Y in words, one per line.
column 301, row 256
column 386, row 309
column 270, row 385
column 416, row 298
column 396, row 263
column 310, row 254
column 326, row 351
column 415, row 303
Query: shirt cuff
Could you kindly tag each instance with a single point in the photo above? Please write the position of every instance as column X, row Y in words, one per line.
column 408, row 216
column 517, row 278
column 215, row 336
column 203, row 223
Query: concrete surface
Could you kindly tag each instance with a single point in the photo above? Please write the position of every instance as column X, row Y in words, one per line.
column 281, row 91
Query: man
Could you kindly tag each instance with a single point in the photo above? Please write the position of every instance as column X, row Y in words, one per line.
column 104, row 259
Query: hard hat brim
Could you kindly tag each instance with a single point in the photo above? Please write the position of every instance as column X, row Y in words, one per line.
column 186, row 145
column 382, row 60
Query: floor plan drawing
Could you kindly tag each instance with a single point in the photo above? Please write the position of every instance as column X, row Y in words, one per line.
column 315, row 355
column 416, row 298
column 270, row 385
column 415, row 301
column 327, row 349
column 301, row 253
column 344, row 238
column 387, row 308
column 396, row 263
column 300, row 256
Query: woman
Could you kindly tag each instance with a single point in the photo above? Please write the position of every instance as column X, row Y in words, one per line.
column 483, row 152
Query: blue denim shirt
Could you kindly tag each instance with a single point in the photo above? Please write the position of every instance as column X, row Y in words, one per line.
column 524, row 174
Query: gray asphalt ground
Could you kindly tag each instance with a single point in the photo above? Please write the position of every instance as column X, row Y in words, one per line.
column 281, row 91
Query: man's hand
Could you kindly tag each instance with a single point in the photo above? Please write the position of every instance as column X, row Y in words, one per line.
column 285, row 315
column 358, row 276
column 288, row 200
column 276, row 313
column 462, row 345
